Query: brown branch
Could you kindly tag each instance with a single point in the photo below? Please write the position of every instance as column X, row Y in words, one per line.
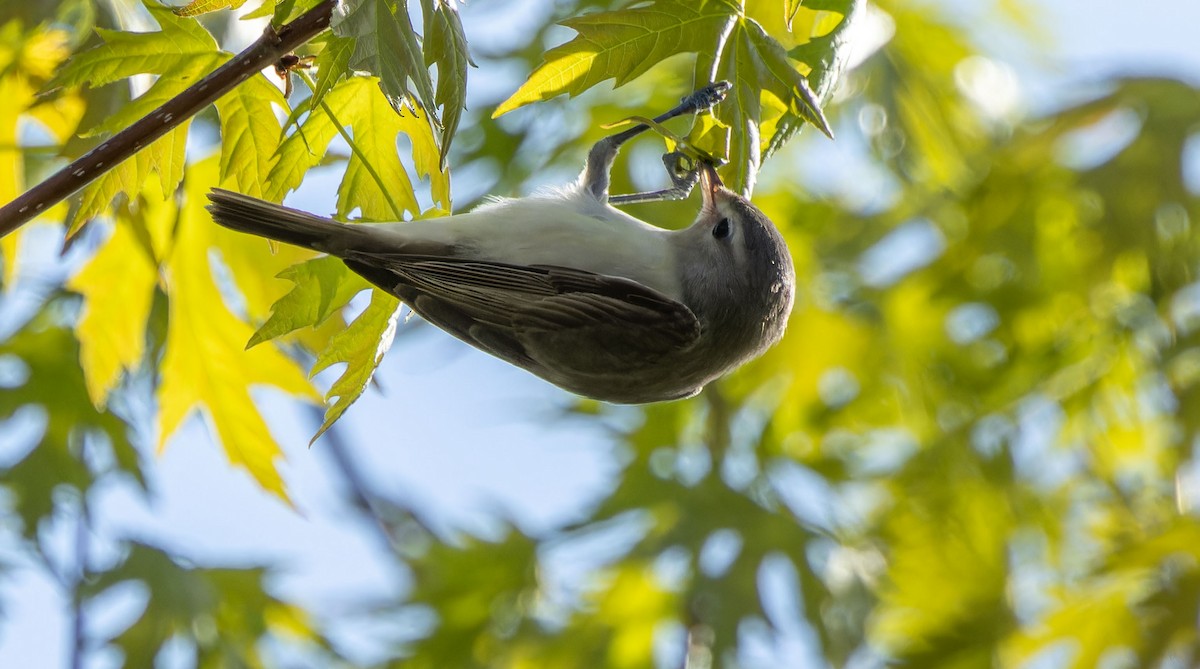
column 274, row 43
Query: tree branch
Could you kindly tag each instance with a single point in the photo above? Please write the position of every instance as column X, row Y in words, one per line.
column 267, row 49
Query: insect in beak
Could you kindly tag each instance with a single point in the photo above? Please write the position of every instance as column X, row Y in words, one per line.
column 710, row 183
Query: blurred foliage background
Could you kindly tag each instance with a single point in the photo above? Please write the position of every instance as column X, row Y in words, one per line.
column 974, row 448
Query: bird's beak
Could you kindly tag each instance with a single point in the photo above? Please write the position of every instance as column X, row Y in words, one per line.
column 710, row 184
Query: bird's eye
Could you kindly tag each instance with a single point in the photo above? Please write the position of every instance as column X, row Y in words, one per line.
column 722, row 229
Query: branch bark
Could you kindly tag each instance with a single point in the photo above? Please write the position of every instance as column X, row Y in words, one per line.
column 274, row 43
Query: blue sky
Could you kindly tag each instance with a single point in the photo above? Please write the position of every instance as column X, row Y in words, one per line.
column 458, row 433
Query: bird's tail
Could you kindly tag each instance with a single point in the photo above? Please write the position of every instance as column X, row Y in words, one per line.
column 291, row 226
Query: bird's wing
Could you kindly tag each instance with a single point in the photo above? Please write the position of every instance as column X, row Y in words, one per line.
column 540, row 315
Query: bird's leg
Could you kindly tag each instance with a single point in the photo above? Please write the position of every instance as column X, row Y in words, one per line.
column 684, row 175
column 600, row 158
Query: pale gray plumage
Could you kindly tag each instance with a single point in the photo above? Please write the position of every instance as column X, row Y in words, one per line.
column 566, row 286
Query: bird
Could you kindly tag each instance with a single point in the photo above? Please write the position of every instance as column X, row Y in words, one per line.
column 563, row 284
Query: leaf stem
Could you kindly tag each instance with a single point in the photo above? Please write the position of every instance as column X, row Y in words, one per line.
column 383, row 188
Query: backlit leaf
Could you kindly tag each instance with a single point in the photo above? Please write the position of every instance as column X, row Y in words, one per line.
column 446, row 47
column 198, row 7
column 624, row 44
column 112, row 326
column 205, row 364
column 357, row 104
column 181, row 52
column 332, row 65
column 387, row 46
column 250, row 134
column 361, row 346
column 322, row 286
column 27, row 59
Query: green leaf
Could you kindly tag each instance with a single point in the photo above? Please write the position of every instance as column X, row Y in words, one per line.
column 322, row 286
column 164, row 158
column 826, row 57
column 198, row 7
column 250, row 134
column 333, row 64
column 446, row 47
column 112, row 325
column 54, row 383
column 180, row 53
column 374, row 174
column 742, row 111
column 358, row 103
column 181, row 49
column 205, row 364
column 623, row 45
column 779, row 75
column 387, row 46
column 826, row 54
column 361, row 346
column 790, row 7
column 226, row 615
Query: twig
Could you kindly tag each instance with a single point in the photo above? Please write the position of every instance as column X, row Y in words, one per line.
column 361, row 495
column 267, row 49
column 82, row 567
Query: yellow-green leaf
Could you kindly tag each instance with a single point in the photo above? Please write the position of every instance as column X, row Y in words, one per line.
column 27, row 58
column 333, row 64
column 250, row 134
column 112, row 325
column 165, row 157
column 180, row 49
column 729, row 45
column 622, row 45
column 357, row 103
column 322, row 286
column 198, row 7
column 205, row 366
column 361, row 346
column 181, row 52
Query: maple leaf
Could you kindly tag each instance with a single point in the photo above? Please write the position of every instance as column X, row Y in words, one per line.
column 198, row 7
column 361, row 346
column 624, row 44
column 358, row 103
column 112, row 325
column 180, row 53
column 250, row 134
column 446, row 47
column 205, row 364
column 387, row 46
column 333, row 64
column 322, row 286
column 27, row 59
